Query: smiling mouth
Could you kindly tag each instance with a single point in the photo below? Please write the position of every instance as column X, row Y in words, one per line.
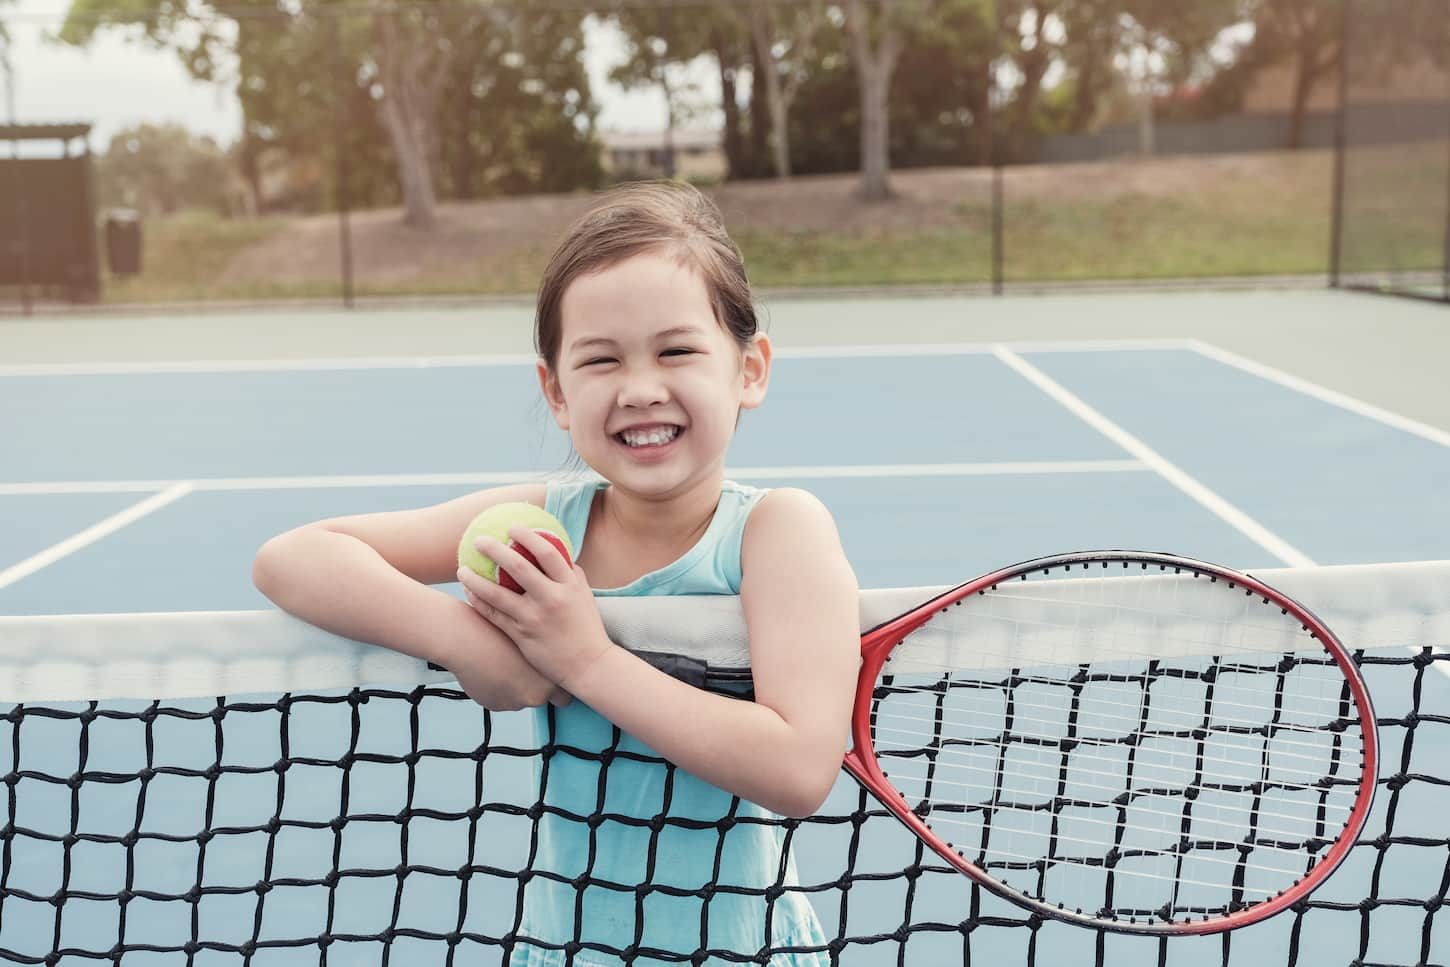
column 655, row 436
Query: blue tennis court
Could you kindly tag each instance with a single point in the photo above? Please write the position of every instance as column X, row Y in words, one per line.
column 147, row 485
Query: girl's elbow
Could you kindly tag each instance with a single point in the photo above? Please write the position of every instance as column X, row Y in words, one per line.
column 805, row 796
column 268, row 564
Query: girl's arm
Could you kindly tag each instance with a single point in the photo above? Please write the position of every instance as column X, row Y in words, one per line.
column 366, row 577
column 799, row 594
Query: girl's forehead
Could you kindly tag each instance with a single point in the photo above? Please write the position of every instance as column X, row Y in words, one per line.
column 637, row 298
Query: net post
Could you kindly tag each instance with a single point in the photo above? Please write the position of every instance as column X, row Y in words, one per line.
column 1336, row 221
column 1445, row 257
column 994, row 158
column 998, row 281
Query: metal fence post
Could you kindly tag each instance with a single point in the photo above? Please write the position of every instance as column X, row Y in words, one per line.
column 1336, row 221
column 341, row 91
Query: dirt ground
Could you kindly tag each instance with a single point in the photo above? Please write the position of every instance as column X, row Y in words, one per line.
column 473, row 233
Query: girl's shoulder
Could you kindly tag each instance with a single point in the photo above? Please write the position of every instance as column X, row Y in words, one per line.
column 788, row 516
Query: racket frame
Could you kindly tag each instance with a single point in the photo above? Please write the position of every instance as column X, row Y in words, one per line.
column 862, row 763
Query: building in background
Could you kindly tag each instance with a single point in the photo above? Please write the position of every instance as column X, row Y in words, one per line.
column 645, row 154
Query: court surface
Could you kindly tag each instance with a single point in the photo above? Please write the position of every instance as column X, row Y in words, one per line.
column 1251, row 429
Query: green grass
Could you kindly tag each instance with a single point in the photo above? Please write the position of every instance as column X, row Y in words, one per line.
column 183, row 256
column 1395, row 208
column 1268, row 217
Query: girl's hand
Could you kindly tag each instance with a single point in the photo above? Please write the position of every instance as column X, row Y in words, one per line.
column 478, row 676
column 555, row 622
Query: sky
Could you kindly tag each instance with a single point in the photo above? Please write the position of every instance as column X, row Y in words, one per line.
column 116, row 82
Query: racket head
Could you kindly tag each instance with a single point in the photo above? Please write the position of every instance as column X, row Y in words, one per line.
column 1164, row 785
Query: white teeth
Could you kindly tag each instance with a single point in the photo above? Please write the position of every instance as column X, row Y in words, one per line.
column 651, row 437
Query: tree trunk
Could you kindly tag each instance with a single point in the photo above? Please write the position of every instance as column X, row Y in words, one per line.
column 762, row 35
column 669, row 159
column 1033, row 64
column 875, row 134
column 759, row 114
column 732, row 141
column 1147, row 133
column 1085, row 97
column 1306, row 73
column 874, row 66
column 410, row 152
column 412, row 69
column 251, row 172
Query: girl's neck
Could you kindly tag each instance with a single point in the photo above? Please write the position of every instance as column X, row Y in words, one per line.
column 680, row 518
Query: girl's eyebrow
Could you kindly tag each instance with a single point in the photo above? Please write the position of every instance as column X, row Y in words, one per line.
column 603, row 341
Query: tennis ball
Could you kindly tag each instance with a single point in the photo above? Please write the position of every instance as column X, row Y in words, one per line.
column 495, row 522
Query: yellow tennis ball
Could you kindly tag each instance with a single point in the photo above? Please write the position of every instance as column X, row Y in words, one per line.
column 495, row 522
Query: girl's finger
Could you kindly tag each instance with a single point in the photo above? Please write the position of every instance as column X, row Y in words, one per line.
column 526, row 574
column 551, row 562
column 496, row 604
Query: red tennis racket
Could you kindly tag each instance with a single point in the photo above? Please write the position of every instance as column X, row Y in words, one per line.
column 1125, row 740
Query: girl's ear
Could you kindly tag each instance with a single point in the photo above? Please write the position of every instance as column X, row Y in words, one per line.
column 755, row 371
column 553, row 395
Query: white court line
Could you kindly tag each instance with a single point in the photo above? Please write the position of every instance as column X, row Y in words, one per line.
column 516, row 359
column 263, row 365
column 1322, row 393
column 1211, row 501
column 987, row 348
column 92, row 534
column 511, row 477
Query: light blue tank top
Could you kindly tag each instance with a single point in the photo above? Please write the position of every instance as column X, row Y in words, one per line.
column 611, row 885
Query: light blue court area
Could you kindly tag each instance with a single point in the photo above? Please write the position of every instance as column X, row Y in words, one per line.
column 148, row 489
column 139, row 488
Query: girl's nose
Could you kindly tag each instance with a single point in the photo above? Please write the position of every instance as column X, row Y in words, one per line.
column 642, row 389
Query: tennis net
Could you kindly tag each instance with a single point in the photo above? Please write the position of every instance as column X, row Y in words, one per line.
column 346, row 805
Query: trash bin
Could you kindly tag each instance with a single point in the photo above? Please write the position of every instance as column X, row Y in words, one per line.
column 123, row 241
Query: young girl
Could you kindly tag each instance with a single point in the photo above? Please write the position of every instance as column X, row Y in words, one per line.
column 648, row 352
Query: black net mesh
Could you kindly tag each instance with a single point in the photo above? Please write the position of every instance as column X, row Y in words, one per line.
column 1395, row 201
column 382, row 825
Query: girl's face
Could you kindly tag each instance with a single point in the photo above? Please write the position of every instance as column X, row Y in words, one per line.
column 648, row 383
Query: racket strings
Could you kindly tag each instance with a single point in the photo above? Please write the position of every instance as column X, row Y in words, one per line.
column 1001, row 794
column 1109, row 630
column 1303, row 843
column 1036, row 861
column 1133, row 812
column 1283, row 748
column 1134, row 619
column 1142, row 679
column 1142, row 728
column 1233, row 745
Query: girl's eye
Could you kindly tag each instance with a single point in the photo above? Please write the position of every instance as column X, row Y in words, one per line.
column 677, row 351
column 597, row 360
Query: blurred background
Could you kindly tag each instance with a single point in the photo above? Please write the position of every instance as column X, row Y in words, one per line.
column 158, row 151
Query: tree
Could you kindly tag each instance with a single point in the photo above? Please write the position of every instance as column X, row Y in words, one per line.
column 1307, row 33
column 784, row 44
column 660, row 43
column 729, row 41
column 877, row 36
column 1092, row 38
column 1162, row 43
column 1030, row 43
column 878, row 32
column 940, row 110
column 417, row 100
column 161, row 169
column 517, row 116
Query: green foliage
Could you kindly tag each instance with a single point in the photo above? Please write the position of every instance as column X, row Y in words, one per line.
column 161, row 169
column 939, row 96
column 517, row 116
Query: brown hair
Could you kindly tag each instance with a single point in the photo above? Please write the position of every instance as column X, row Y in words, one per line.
column 649, row 216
